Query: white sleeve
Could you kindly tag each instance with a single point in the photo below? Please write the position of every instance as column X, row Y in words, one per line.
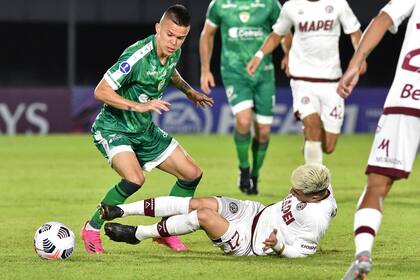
column 283, row 23
column 301, row 248
column 398, row 11
column 347, row 19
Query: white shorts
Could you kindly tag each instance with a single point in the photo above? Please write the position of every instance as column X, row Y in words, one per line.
column 319, row 98
column 395, row 146
column 240, row 215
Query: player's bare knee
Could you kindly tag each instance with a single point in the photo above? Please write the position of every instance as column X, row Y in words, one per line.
column 205, row 216
column 264, row 134
column 136, row 179
column 195, row 203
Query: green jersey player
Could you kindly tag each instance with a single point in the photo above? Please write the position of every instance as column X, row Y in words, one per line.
column 124, row 132
column 244, row 25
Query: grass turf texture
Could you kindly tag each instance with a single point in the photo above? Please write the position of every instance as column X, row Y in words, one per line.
column 62, row 178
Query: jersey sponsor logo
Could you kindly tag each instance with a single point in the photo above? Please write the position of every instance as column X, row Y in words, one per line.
column 245, row 33
column 309, row 26
column 244, row 16
column 125, row 67
column 408, row 92
column 301, row 205
column 329, row 9
column 233, row 207
column 286, row 209
column 183, row 116
column 309, row 247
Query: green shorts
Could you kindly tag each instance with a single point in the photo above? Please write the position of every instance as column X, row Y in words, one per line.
column 151, row 148
column 246, row 92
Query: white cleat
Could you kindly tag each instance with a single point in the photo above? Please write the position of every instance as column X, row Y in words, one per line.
column 361, row 266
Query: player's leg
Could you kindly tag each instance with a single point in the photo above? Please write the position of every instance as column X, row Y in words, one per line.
column 306, row 106
column 239, row 96
column 264, row 100
column 392, row 156
column 205, row 218
column 312, row 131
column 163, row 206
column 122, row 158
column 332, row 115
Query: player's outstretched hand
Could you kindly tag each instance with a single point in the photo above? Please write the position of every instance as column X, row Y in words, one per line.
column 206, row 81
column 200, row 99
column 348, row 81
column 271, row 241
column 155, row 105
column 252, row 65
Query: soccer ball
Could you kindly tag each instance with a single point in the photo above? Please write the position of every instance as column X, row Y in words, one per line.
column 53, row 241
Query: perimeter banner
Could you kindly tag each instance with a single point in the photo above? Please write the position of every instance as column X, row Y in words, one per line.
column 34, row 110
column 362, row 112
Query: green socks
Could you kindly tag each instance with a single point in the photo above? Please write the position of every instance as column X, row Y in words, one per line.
column 116, row 195
column 242, row 142
column 185, row 188
column 259, row 151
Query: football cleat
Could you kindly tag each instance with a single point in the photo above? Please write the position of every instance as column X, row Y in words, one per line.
column 110, row 212
column 361, row 266
column 121, row 233
column 173, row 242
column 254, row 186
column 244, row 179
column 92, row 240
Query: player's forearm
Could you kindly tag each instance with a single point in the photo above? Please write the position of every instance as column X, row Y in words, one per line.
column 180, row 83
column 206, row 49
column 371, row 38
column 286, row 43
column 104, row 93
column 271, row 43
column 355, row 39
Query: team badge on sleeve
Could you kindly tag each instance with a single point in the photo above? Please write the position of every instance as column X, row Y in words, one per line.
column 300, row 206
column 233, row 207
column 125, row 67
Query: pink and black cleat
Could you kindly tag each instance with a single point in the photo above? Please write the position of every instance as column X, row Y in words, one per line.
column 92, row 240
column 173, row 242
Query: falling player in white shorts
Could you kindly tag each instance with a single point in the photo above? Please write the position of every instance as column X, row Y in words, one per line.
column 291, row 227
column 398, row 134
column 314, row 67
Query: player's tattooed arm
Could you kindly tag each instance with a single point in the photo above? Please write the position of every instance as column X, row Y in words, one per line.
column 180, row 83
column 196, row 97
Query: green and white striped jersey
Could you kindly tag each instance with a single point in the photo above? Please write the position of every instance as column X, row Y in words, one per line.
column 244, row 25
column 138, row 75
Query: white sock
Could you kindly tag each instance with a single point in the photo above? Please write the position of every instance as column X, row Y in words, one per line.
column 163, row 206
column 312, row 152
column 366, row 226
column 175, row 225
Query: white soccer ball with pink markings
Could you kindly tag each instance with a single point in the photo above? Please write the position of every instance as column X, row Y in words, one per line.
column 54, row 241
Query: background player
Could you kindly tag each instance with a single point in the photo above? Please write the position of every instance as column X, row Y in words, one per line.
column 397, row 137
column 243, row 27
column 291, row 227
column 124, row 132
column 314, row 67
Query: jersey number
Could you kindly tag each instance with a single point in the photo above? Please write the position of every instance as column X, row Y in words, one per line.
column 336, row 113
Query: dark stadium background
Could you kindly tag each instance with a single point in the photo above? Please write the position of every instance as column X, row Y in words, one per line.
column 34, row 40
column 53, row 53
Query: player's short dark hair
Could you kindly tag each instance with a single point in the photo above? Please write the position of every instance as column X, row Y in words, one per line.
column 179, row 15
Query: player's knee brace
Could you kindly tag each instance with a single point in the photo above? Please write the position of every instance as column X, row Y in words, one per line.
column 127, row 188
column 191, row 185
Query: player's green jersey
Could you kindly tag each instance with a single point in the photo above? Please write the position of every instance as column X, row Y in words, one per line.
column 139, row 76
column 244, row 25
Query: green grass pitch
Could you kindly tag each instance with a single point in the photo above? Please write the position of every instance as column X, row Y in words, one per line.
column 62, row 178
